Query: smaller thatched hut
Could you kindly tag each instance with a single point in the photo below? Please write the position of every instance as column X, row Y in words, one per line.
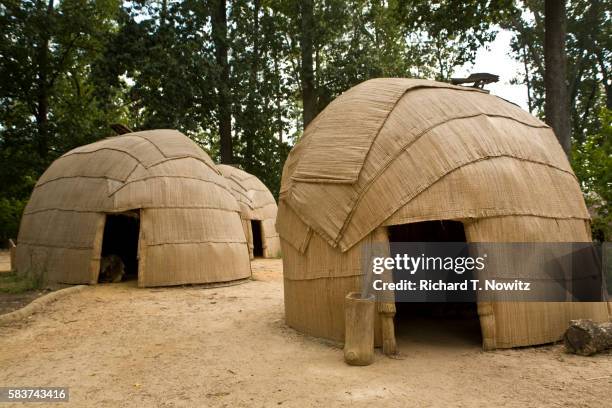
column 257, row 210
column 154, row 198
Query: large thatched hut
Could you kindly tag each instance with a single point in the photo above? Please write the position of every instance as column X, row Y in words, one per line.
column 257, row 209
column 388, row 157
column 153, row 198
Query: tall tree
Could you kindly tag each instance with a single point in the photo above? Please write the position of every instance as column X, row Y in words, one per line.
column 159, row 68
column 587, row 49
column 219, row 31
column 253, row 81
column 47, row 99
column 307, row 76
column 556, row 107
column 43, row 82
column 260, row 98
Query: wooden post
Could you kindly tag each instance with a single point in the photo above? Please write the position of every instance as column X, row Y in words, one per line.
column 487, row 325
column 13, row 255
column 386, row 303
column 587, row 338
column 387, row 313
column 359, row 329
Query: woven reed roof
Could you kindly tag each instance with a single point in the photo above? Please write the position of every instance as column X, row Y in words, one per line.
column 256, row 201
column 395, row 150
column 150, row 169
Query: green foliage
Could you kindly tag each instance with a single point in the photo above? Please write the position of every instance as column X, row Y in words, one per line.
column 449, row 32
column 588, row 59
column 10, row 214
column 588, row 77
column 592, row 162
column 47, row 99
column 70, row 68
column 158, row 67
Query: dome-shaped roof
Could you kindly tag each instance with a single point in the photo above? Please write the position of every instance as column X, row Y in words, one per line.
column 137, row 170
column 256, row 201
column 395, row 150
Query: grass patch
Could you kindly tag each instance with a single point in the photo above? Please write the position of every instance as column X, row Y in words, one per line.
column 11, row 282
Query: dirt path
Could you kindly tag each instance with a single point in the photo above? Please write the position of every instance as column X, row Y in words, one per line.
column 120, row 346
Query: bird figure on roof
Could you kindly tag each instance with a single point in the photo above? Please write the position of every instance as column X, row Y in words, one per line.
column 478, row 80
column 120, row 129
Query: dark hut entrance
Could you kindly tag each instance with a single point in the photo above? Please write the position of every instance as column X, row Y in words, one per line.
column 434, row 323
column 257, row 238
column 120, row 247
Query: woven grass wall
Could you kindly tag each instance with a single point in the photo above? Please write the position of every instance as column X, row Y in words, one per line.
column 190, row 227
column 396, row 151
column 256, row 203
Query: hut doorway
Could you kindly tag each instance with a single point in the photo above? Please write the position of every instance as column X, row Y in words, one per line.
column 119, row 256
column 257, row 238
column 437, row 324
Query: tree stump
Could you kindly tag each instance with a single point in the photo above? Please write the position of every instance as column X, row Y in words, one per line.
column 586, row 338
column 359, row 329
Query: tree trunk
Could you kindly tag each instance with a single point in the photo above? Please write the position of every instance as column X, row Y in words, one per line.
column 219, row 29
column 527, row 79
column 278, row 91
column 586, row 338
column 309, row 96
column 279, row 101
column 42, row 99
column 556, row 106
column 606, row 76
column 251, row 132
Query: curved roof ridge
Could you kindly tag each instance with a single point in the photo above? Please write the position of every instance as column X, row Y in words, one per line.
column 139, row 135
column 419, row 135
column 115, row 149
column 155, row 176
column 340, row 235
column 127, row 208
column 74, row 177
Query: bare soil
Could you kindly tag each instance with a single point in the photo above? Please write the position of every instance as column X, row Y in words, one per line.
column 116, row 345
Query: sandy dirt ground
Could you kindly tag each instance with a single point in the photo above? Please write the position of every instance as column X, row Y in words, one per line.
column 116, row 345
